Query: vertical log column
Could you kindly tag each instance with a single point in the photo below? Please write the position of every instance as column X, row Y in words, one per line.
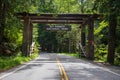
column 83, row 39
column 31, row 37
column 31, row 33
column 26, row 36
column 90, row 39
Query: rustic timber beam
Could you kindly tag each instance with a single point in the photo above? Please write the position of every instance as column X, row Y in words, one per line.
column 55, row 15
column 53, row 18
column 57, row 21
column 37, row 15
column 57, row 18
column 90, row 39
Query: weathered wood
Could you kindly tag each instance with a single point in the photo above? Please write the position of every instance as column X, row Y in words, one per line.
column 57, row 15
column 30, row 38
column 26, row 36
column 83, row 36
column 90, row 39
column 53, row 18
column 58, row 18
column 31, row 32
column 57, row 21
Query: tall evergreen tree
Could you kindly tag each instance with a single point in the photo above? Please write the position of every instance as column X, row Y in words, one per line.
column 110, row 8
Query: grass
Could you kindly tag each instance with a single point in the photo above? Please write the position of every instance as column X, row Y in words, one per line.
column 76, row 55
column 10, row 62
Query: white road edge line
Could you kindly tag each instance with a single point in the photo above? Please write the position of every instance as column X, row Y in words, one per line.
column 110, row 71
column 16, row 69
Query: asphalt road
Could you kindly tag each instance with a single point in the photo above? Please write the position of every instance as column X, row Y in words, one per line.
column 59, row 67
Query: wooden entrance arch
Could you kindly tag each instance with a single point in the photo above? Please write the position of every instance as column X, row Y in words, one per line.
column 82, row 19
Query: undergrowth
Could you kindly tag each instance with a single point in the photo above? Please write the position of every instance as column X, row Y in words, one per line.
column 76, row 55
column 9, row 62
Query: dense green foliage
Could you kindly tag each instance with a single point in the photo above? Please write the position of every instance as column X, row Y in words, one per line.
column 10, row 62
column 11, row 32
column 110, row 9
column 101, row 41
column 58, row 41
column 11, row 28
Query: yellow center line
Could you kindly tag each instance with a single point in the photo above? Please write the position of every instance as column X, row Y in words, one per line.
column 62, row 70
column 61, row 73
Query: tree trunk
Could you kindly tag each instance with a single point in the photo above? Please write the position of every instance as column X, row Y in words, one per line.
column 111, row 43
column 2, row 19
column 2, row 24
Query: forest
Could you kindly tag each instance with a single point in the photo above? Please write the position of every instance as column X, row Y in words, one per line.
column 106, row 29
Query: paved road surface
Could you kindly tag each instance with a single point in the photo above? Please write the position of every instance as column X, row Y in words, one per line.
column 49, row 67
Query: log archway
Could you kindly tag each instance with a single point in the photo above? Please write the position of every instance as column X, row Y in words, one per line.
column 82, row 19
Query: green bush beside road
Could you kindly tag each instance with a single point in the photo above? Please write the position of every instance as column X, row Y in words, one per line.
column 10, row 62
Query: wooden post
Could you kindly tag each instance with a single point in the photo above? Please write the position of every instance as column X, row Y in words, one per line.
column 30, row 38
column 90, row 39
column 31, row 32
column 83, row 39
column 83, row 36
column 82, row 42
column 26, row 36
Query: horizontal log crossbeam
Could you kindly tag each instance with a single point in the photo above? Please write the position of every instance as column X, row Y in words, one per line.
column 57, row 18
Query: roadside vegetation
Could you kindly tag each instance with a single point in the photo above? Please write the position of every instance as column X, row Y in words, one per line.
column 76, row 55
column 13, row 61
column 105, row 29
